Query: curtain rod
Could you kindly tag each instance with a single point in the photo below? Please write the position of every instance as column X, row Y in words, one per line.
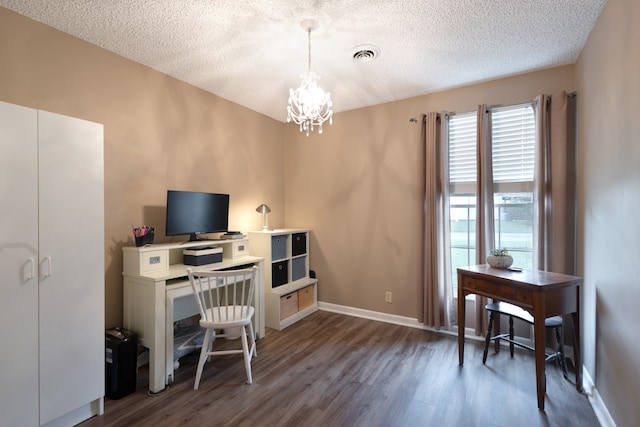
column 569, row 95
column 424, row 119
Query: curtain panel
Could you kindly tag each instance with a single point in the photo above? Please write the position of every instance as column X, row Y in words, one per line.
column 555, row 183
column 485, row 229
column 434, row 299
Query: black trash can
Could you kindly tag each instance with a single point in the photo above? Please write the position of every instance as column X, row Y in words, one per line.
column 121, row 356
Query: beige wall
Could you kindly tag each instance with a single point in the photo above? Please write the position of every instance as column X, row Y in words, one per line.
column 358, row 187
column 608, row 75
column 159, row 133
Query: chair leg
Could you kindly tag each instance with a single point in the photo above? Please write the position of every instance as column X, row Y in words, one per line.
column 563, row 360
column 206, row 347
column 247, row 355
column 511, row 335
column 253, row 340
column 487, row 339
column 212, row 339
column 497, row 335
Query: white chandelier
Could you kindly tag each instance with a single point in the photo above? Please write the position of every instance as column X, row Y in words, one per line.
column 308, row 105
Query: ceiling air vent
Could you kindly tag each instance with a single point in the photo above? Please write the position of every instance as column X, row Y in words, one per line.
column 365, row 53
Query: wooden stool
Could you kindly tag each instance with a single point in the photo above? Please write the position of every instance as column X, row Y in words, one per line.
column 512, row 311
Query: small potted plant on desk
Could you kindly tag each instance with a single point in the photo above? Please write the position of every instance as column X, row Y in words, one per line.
column 500, row 258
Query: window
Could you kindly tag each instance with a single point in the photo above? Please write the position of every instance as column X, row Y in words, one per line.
column 462, row 152
column 513, row 145
column 462, row 189
column 513, row 155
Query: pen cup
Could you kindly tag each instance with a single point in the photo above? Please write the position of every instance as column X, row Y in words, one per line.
column 147, row 239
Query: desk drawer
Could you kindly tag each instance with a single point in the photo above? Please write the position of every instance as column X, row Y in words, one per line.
column 502, row 292
column 154, row 261
column 516, row 295
column 239, row 249
column 484, row 286
column 468, row 282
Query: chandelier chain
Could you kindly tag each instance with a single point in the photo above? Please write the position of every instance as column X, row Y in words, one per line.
column 309, row 49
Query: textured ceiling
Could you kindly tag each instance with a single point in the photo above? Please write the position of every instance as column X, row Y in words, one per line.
column 252, row 52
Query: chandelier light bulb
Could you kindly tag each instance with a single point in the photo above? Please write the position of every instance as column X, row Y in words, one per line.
column 309, row 106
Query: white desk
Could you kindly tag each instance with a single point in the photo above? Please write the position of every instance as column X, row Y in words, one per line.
column 157, row 293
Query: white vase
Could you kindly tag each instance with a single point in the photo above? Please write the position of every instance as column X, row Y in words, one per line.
column 500, row 261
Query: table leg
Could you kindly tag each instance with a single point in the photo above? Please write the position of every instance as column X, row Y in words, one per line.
column 539, row 344
column 576, row 349
column 156, row 370
column 461, row 321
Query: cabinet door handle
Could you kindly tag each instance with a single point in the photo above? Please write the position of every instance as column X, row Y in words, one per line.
column 48, row 272
column 28, row 270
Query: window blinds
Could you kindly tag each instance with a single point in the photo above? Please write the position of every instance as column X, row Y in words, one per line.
column 513, row 143
column 462, row 147
column 513, row 140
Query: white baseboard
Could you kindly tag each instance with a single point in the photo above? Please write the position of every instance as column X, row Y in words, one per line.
column 371, row 315
column 587, row 383
column 602, row 413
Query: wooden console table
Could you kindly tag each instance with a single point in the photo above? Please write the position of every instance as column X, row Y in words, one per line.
column 542, row 293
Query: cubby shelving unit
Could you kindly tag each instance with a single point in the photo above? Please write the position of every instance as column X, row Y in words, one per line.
column 290, row 292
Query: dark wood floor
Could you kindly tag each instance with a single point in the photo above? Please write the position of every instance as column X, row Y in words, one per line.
column 335, row 370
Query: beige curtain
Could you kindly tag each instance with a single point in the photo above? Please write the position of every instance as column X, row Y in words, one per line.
column 434, row 299
column 555, row 183
column 485, row 234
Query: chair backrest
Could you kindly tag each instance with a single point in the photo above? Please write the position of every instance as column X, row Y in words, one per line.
column 229, row 292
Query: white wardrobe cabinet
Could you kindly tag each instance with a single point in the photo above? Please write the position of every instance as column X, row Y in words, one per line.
column 51, row 268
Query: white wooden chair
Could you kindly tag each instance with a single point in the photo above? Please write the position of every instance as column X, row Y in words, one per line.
column 224, row 299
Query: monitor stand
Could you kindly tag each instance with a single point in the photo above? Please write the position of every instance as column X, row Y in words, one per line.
column 194, row 238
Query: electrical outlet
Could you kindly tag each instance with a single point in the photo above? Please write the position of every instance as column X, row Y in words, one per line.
column 388, row 297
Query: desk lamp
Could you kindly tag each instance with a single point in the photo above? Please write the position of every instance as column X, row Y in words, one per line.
column 264, row 210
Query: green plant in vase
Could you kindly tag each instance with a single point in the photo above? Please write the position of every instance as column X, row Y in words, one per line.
column 500, row 258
